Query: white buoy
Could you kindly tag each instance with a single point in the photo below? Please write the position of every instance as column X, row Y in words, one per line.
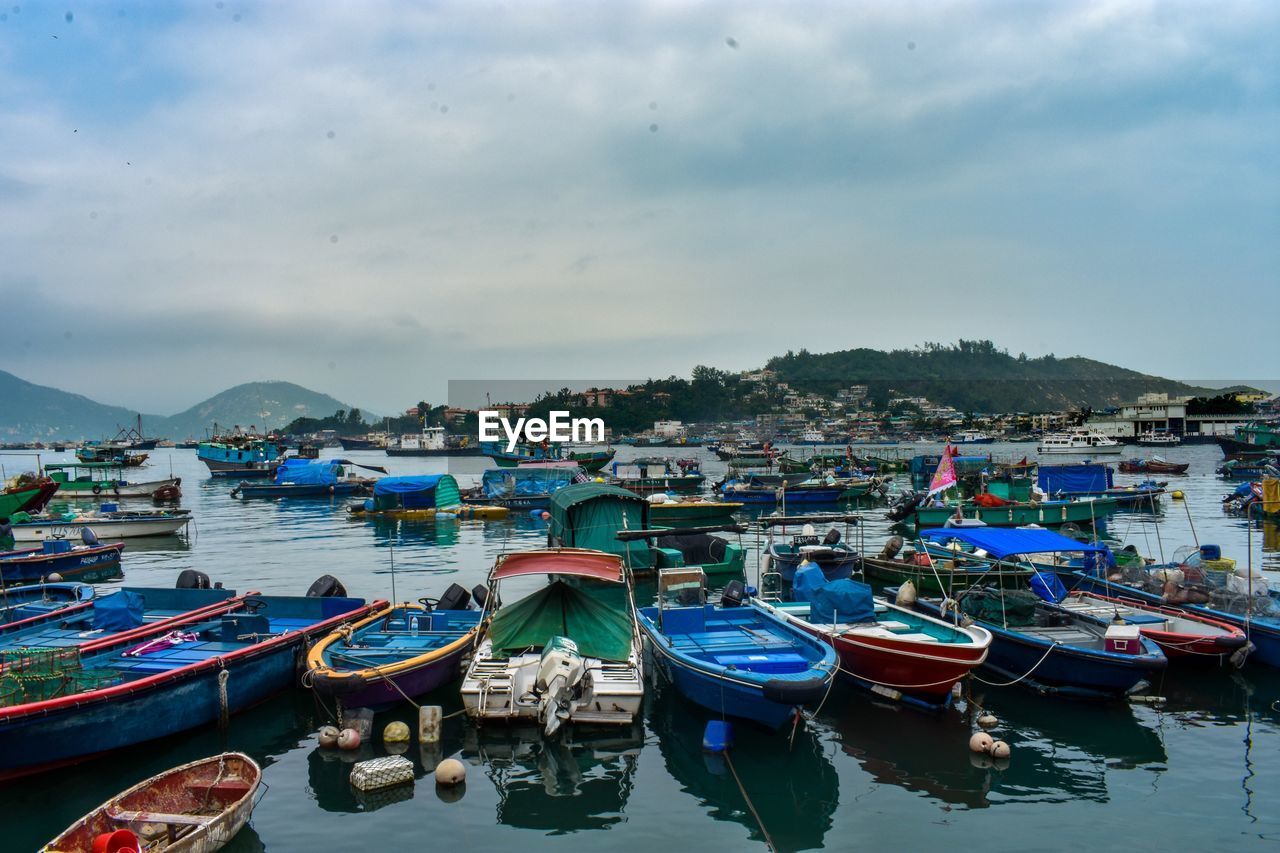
column 395, row 732
column 906, row 594
column 988, row 721
column 348, row 739
column 451, row 772
column 328, row 737
column 1000, row 749
column 980, row 742
column 429, row 720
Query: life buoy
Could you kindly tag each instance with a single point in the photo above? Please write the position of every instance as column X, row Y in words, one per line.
column 97, row 490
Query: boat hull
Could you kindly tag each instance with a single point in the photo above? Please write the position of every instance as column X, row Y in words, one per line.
column 692, row 513
column 1017, row 515
column 105, row 528
column 96, row 491
column 248, row 490
column 88, row 565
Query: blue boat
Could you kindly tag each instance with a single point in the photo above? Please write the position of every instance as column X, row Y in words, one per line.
column 1093, row 480
column 523, row 488
column 20, row 603
column 754, row 491
column 93, row 618
column 308, row 478
column 1036, row 642
column 735, row 661
column 127, row 690
column 240, row 455
column 87, row 563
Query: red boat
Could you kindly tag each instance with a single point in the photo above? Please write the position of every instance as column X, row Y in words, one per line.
column 900, row 654
column 1153, row 466
column 1182, row 635
column 46, row 489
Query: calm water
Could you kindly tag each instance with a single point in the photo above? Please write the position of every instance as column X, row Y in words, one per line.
column 1200, row 772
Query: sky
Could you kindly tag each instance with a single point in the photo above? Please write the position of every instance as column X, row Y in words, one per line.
column 373, row 198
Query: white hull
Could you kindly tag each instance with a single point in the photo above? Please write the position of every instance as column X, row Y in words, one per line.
column 108, row 530
column 492, row 689
column 1082, row 450
column 130, row 490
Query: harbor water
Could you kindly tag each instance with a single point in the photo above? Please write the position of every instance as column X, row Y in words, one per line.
column 1199, row 771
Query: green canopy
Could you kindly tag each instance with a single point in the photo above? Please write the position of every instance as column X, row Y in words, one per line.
column 560, row 610
column 589, row 515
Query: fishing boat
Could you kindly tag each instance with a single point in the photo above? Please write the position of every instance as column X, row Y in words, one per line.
column 694, row 546
column 811, row 491
column 17, row 500
column 195, row 808
column 832, row 552
column 1091, row 480
column 397, row 651
column 522, row 454
column 1154, row 465
column 734, row 660
column 304, row 478
column 420, row 498
column 892, row 651
column 433, row 441
column 19, row 603
column 106, row 522
column 591, row 461
column 1078, row 442
column 241, row 454
column 936, row 570
column 589, row 515
column 1251, row 468
column 649, row 475
column 37, row 488
column 523, row 488
column 61, row 558
column 1014, row 514
column 95, row 451
column 1181, row 635
column 1253, row 437
column 128, row 689
column 1036, row 642
column 569, row 652
column 94, row 479
column 1159, row 438
column 668, row 511
column 128, row 611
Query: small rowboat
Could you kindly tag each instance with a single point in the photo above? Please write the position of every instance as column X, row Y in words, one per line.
column 194, row 808
column 1153, row 466
column 19, row 603
column 107, row 525
column 405, row 650
column 86, row 563
column 1179, row 634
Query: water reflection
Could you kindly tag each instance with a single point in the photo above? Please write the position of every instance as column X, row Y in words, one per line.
column 578, row 781
column 794, row 790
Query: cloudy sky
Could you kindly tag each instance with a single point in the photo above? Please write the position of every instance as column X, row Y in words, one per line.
column 372, row 198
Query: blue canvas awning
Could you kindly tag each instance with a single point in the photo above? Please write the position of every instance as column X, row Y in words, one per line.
column 1001, row 542
column 1086, row 478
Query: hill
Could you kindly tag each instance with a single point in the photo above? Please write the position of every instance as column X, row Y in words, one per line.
column 38, row 412
column 974, row 376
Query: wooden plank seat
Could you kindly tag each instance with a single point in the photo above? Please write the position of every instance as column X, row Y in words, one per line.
column 231, row 789
column 123, row 816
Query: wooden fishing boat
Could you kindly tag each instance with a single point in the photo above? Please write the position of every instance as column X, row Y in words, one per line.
column 1155, row 465
column 937, row 570
column 19, row 603
column 521, row 454
column 12, row 502
column 396, row 651
column 589, row 515
column 302, row 478
column 686, row 512
column 733, row 660
column 86, row 563
column 102, row 479
column 38, row 491
column 569, row 652
column 808, row 492
column 591, row 460
column 420, row 498
column 893, row 651
column 715, row 555
column 647, row 476
column 128, row 689
column 240, row 455
column 195, row 808
column 1180, row 635
column 523, row 488
column 98, row 452
column 106, row 523
column 832, row 552
column 1017, row 514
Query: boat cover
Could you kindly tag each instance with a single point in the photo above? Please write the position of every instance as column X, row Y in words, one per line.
column 589, row 515
column 1077, row 479
column 846, row 601
column 420, row 492
column 1001, row 542
column 525, row 482
column 807, row 580
column 308, row 472
column 560, row 610
column 119, row 611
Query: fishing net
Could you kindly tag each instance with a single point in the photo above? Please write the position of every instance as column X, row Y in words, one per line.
column 1013, row 607
column 38, row 674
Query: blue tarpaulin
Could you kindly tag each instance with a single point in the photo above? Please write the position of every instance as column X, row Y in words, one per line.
column 420, row 492
column 808, row 578
column 1074, row 479
column 1002, row 542
column 119, row 611
column 846, row 601
column 309, row 473
column 525, row 482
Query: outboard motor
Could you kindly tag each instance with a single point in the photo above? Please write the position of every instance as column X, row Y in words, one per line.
column 191, row 579
column 327, row 586
column 832, row 537
column 88, row 537
column 734, row 594
column 455, row 597
column 480, row 594
column 560, row 670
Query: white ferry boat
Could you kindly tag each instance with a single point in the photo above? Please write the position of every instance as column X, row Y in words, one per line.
column 1081, row 442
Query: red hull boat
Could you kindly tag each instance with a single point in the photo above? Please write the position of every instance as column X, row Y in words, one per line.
column 1153, row 466
column 1185, row 636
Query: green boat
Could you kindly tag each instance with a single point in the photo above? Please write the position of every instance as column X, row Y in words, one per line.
column 687, row 513
column 1045, row 513
column 592, row 461
column 11, row 502
column 106, row 479
column 946, row 575
column 649, row 476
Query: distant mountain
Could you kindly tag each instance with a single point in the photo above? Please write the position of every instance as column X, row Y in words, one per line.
column 265, row 405
column 975, row 376
column 38, row 412
column 31, row 411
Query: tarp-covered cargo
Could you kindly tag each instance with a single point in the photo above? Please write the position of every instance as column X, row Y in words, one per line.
column 589, row 515
column 418, row 492
column 559, row 610
column 525, row 482
column 1074, row 479
column 306, row 472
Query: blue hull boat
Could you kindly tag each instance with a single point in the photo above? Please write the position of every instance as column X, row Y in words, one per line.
column 270, row 490
column 169, row 681
column 86, row 563
column 737, row 661
column 20, row 603
column 796, row 495
column 1262, row 631
column 1063, row 653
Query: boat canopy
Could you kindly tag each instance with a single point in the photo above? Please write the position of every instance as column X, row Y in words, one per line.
column 1001, row 542
column 307, row 472
column 526, row 482
column 560, row 610
column 562, row 561
column 86, row 466
column 419, row 492
column 589, row 515
column 1086, row 477
column 846, row 601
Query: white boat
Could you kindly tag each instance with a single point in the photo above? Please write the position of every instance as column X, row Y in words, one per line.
column 1159, row 439
column 106, row 525
column 972, row 436
column 1079, row 442
column 811, row 436
column 568, row 652
column 430, row 442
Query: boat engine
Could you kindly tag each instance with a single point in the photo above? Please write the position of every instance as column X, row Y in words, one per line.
column 560, row 671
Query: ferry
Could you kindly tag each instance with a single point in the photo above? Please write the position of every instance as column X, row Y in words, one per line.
column 1079, row 442
column 972, row 436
